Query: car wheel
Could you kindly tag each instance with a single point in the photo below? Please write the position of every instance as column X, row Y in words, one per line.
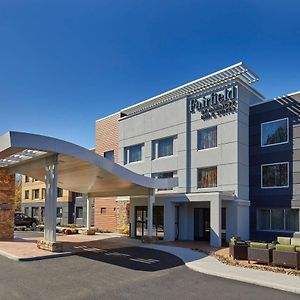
column 33, row 225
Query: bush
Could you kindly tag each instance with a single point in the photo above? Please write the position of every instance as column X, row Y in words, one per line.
column 124, row 229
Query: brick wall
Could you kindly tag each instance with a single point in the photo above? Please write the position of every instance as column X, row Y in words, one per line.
column 107, row 138
column 105, row 214
column 107, row 135
column 7, row 205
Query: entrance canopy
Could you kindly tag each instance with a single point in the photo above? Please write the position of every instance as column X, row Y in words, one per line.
column 78, row 169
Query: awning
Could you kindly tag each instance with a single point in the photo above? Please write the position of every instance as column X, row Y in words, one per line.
column 79, row 169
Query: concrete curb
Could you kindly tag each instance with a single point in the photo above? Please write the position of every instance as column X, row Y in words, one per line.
column 202, row 263
column 267, row 284
column 34, row 258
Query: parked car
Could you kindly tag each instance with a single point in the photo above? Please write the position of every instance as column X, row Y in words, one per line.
column 23, row 220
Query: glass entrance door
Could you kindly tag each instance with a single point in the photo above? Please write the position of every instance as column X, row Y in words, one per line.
column 140, row 221
column 202, row 224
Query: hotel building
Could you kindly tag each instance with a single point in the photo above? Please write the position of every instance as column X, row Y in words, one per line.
column 235, row 155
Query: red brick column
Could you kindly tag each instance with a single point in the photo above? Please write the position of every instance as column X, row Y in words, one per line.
column 7, row 204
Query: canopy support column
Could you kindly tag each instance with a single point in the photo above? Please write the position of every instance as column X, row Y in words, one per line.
column 49, row 241
column 151, row 200
column 88, row 212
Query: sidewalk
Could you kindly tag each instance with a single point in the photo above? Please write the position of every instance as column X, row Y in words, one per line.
column 209, row 265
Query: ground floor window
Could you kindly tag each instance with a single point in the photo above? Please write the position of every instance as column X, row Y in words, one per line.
column 79, row 212
column 278, row 219
column 59, row 212
column 35, row 212
column 26, row 211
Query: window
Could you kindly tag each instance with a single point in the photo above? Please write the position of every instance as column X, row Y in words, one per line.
column 133, row 153
column 77, row 195
column 43, row 193
column 27, row 178
column 35, row 212
column 59, row 192
column 26, row 211
column 79, row 212
column 278, row 219
column 165, row 147
column 275, row 175
column 36, row 194
column 26, row 194
column 103, row 210
column 207, row 138
column 163, row 175
column 110, row 155
column 274, row 132
column 207, row 177
column 59, row 212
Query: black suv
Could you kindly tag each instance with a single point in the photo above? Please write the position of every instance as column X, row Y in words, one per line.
column 23, row 220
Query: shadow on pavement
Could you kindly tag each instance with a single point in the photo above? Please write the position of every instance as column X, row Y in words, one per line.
column 134, row 258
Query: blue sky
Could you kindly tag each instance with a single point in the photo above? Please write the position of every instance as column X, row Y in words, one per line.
column 64, row 64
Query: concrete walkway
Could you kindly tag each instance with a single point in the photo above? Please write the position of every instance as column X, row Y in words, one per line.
column 209, row 265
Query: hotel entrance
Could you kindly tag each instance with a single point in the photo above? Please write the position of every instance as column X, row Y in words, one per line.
column 141, row 221
column 202, row 224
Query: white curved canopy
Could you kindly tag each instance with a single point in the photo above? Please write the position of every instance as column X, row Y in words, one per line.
column 79, row 169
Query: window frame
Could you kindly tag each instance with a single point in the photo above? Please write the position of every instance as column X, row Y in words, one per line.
column 26, row 194
column 109, row 152
column 127, row 154
column 275, row 187
column 270, row 220
column 204, row 149
column 273, row 121
column 155, row 146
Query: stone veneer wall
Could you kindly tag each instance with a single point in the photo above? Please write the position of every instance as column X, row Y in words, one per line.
column 7, row 204
column 122, row 213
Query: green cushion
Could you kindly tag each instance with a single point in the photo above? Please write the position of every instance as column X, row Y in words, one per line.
column 286, row 248
column 284, row 240
column 297, row 249
column 234, row 239
column 259, row 245
column 295, row 242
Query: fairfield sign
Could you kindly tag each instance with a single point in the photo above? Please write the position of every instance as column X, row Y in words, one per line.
column 215, row 104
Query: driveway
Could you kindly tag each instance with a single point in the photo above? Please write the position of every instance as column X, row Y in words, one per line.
column 125, row 273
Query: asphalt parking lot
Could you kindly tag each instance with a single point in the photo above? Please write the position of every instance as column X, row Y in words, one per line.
column 124, row 273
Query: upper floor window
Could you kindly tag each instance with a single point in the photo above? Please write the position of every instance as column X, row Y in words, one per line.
column 43, row 193
column 60, row 192
column 110, row 155
column 207, row 177
column 132, row 154
column 275, row 132
column 207, row 138
column 275, row 175
column 26, row 194
column 27, row 178
column 163, row 147
column 36, row 194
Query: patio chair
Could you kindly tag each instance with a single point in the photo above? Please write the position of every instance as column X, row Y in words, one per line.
column 260, row 252
column 238, row 249
column 287, row 252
